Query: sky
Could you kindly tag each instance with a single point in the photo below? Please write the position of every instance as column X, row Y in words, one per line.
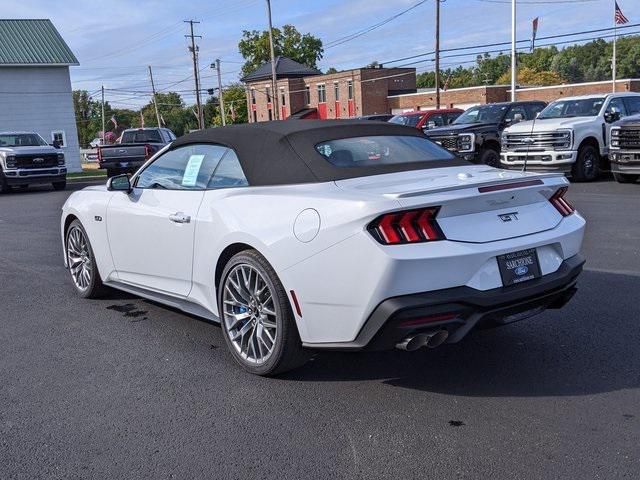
column 114, row 41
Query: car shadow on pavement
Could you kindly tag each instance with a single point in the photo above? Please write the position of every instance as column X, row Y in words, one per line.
column 590, row 346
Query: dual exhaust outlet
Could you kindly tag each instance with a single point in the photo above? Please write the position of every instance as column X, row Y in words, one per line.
column 427, row 339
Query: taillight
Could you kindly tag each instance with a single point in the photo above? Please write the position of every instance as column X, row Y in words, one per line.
column 561, row 204
column 147, row 151
column 408, row 226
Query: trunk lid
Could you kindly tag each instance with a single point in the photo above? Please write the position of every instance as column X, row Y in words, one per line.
column 478, row 203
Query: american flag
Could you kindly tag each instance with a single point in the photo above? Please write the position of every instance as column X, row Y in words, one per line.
column 113, row 120
column 619, row 17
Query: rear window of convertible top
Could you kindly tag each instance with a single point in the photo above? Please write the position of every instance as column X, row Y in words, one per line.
column 381, row 150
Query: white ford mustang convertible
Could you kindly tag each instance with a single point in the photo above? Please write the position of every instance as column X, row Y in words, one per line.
column 300, row 235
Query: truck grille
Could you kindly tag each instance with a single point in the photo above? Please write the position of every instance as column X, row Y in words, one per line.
column 449, row 142
column 625, row 137
column 537, row 141
column 37, row 161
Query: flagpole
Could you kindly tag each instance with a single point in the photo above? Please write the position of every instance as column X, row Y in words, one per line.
column 514, row 66
column 615, row 39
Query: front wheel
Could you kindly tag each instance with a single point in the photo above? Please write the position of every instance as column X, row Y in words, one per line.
column 82, row 262
column 587, row 166
column 490, row 157
column 625, row 177
column 4, row 188
column 258, row 324
column 59, row 185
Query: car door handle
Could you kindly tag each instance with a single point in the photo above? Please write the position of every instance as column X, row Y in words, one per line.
column 180, row 217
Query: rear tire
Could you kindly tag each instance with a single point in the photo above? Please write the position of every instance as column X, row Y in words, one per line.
column 81, row 262
column 587, row 166
column 490, row 157
column 257, row 322
column 59, row 185
column 625, row 177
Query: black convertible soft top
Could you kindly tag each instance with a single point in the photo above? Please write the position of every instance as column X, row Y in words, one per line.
column 283, row 153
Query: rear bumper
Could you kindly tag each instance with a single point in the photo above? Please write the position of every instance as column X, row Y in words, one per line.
column 25, row 176
column 458, row 310
column 122, row 167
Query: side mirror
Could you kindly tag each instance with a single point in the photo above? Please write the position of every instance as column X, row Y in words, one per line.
column 611, row 117
column 517, row 118
column 55, row 144
column 431, row 124
column 119, row 183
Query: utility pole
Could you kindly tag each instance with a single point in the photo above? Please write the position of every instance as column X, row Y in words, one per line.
column 220, row 96
column 437, row 54
column 104, row 134
column 514, row 66
column 615, row 41
column 274, row 93
column 194, row 56
column 155, row 100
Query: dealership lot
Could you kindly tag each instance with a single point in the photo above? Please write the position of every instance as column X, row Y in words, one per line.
column 124, row 388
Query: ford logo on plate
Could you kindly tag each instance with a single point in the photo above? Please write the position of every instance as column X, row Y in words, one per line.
column 521, row 270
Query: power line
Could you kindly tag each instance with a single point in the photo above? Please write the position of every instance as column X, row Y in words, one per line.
column 359, row 33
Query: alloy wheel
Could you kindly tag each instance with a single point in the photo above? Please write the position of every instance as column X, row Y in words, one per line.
column 79, row 258
column 249, row 314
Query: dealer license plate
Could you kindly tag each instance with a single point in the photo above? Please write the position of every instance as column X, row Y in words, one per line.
column 518, row 267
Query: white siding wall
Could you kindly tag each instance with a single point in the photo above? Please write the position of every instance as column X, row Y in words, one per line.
column 39, row 99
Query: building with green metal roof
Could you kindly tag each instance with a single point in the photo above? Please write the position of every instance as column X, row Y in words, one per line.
column 35, row 86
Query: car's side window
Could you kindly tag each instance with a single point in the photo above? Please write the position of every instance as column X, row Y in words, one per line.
column 184, row 168
column 438, row 120
column 632, row 104
column 450, row 117
column 228, row 173
column 534, row 110
column 616, row 105
column 516, row 114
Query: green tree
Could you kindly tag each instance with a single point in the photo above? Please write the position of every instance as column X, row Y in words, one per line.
column 331, row 70
column 235, row 105
column 288, row 42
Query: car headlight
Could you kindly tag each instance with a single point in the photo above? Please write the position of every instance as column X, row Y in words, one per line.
column 615, row 137
column 10, row 161
column 563, row 141
column 466, row 142
column 61, row 159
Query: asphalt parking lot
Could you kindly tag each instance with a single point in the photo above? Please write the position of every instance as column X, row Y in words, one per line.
column 125, row 388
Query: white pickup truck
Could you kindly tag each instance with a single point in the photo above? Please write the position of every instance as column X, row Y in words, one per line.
column 570, row 135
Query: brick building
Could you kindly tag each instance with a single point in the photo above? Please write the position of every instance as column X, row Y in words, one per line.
column 350, row 93
column 366, row 91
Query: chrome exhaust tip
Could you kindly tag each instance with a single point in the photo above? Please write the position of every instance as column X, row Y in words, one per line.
column 429, row 340
column 413, row 342
column 437, row 338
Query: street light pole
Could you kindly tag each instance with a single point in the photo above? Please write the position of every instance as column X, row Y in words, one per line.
column 155, row 99
column 514, row 66
column 274, row 93
column 437, row 76
column 104, row 136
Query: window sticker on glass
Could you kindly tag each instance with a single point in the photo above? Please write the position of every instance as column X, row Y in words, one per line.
column 191, row 172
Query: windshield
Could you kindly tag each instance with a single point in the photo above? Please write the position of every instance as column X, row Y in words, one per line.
column 141, row 136
column 586, row 107
column 482, row 114
column 21, row 140
column 381, row 150
column 408, row 120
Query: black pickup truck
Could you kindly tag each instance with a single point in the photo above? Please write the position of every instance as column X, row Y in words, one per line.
column 136, row 146
column 475, row 135
column 624, row 149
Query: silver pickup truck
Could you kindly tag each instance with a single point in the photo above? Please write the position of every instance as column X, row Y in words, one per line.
column 25, row 159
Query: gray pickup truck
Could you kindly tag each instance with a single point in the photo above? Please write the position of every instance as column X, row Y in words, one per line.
column 136, row 146
column 624, row 149
column 26, row 159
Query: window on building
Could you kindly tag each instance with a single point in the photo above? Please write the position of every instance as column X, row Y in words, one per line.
column 322, row 94
column 283, row 97
column 268, row 94
column 336, row 91
column 253, row 96
column 270, row 115
column 307, row 95
column 59, row 137
column 255, row 116
column 350, row 89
